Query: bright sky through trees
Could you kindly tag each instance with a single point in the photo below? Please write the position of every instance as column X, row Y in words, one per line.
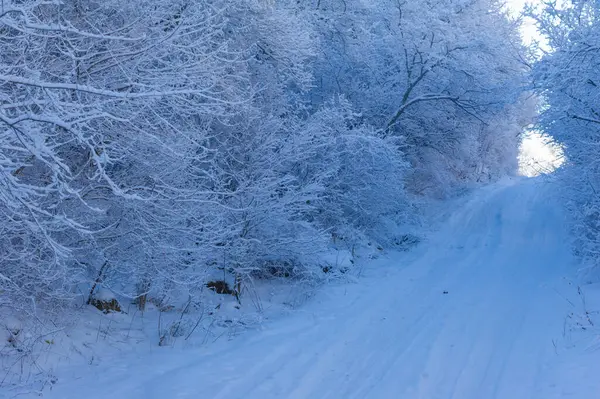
column 528, row 30
column 539, row 153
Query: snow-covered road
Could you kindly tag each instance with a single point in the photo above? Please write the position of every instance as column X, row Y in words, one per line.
column 476, row 312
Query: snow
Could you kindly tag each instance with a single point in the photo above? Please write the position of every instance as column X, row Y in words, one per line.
column 486, row 308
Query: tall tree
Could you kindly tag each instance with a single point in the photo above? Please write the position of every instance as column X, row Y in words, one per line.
column 567, row 79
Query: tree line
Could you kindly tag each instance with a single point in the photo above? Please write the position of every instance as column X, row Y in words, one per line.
column 146, row 144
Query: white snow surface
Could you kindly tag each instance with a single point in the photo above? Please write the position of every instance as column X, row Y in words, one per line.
column 485, row 308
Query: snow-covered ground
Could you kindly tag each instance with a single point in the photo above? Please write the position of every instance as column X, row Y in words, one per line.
column 486, row 308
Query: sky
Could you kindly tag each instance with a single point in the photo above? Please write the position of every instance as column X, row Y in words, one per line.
column 528, row 30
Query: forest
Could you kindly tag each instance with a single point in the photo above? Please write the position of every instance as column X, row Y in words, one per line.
column 152, row 150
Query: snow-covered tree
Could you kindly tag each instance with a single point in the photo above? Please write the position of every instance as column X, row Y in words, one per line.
column 103, row 120
column 145, row 145
column 435, row 73
column 567, row 78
